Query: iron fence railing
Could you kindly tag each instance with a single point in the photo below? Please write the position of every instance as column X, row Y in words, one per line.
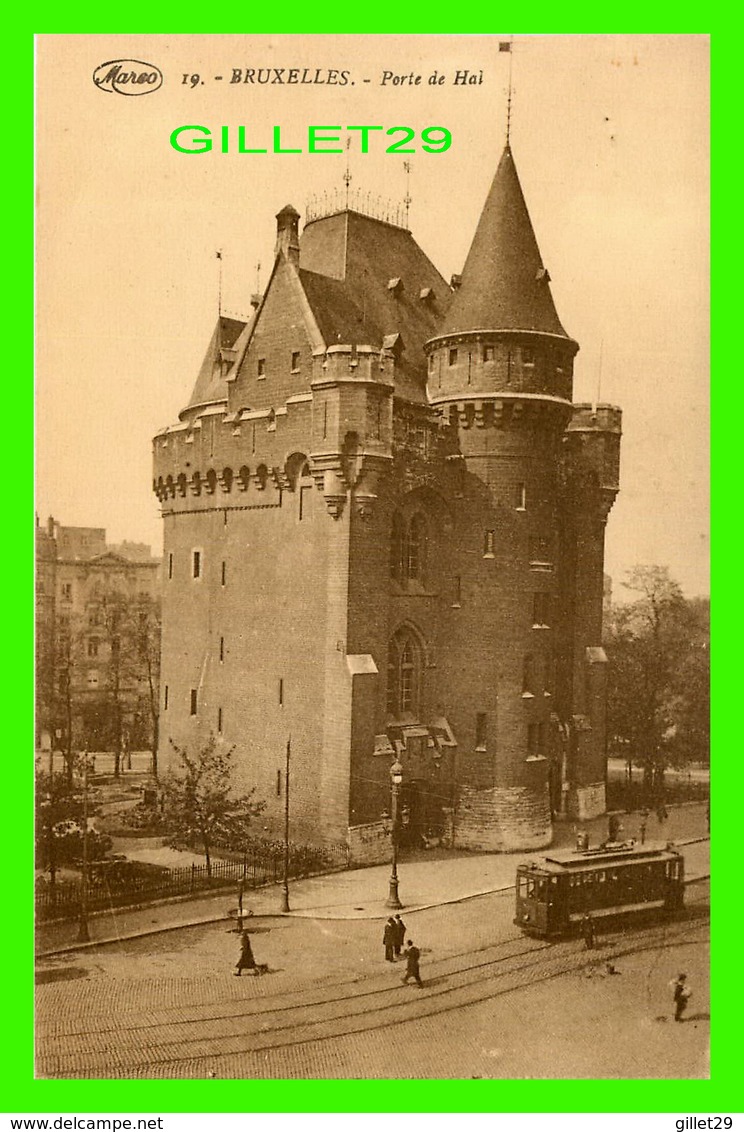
column 112, row 885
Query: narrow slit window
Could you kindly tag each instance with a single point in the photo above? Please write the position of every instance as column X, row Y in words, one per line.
column 453, row 357
column 295, row 361
column 481, row 731
column 541, row 610
column 170, row 566
column 219, row 721
column 222, row 649
column 281, row 692
column 520, row 497
column 224, row 572
column 261, row 368
column 196, row 564
column 193, row 701
column 165, row 698
column 489, row 544
column 457, row 590
column 278, row 784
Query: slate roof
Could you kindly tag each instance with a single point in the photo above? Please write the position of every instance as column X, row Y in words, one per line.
column 347, row 262
column 504, row 282
column 210, row 385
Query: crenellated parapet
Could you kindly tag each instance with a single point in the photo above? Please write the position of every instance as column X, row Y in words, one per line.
column 533, row 411
column 341, row 430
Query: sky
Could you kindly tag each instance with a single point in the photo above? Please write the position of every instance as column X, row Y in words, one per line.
column 610, row 140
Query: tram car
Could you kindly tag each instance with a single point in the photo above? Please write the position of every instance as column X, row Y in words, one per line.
column 556, row 892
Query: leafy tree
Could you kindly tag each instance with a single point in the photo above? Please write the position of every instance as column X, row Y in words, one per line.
column 657, row 702
column 59, row 825
column 198, row 806
column 147, row 648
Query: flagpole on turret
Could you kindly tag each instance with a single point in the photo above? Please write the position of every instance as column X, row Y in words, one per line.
column 507, row 45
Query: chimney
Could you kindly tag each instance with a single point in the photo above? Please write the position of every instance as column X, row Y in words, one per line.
column 287, row 234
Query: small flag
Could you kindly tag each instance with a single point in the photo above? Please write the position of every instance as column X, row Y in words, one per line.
column 505, row 45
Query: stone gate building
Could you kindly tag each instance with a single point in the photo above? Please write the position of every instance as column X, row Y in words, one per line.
column 384, row 537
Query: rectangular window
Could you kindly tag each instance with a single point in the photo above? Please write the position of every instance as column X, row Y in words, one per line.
column 528, row 357
column 481, row 731
column 295, row 361
column 165, row 698
column 540, row 549
column 67, row 591
column 170, row 566
column 528, row 675
column 196, row 564
column 520, row 497
column 92, row 647
column 222, row 649
column 193, row 701
column 488, row 353
column 489, row 544
column 224, row 572
column 262, row 367
column 431, row 362
column 219, row 721
column 453, row 357
column 540, row 610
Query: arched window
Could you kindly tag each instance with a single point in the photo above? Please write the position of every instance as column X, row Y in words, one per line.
column 405, row 666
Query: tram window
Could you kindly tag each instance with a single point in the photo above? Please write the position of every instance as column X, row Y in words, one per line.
column 531, row 886
column 601, row 877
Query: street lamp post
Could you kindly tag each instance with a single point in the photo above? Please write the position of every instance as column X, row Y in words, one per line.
column 396, row 778
column 83, row 934
column 285, row 882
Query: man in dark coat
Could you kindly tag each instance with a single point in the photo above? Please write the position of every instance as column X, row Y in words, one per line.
column 400, row 929
column 246, row 962
column 681, row 997
column 389, row 938
column 412, row 964
column 587, row 928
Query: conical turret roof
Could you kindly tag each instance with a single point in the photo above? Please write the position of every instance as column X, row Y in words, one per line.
column 504, row 283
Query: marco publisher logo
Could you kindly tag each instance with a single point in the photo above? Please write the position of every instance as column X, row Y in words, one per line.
column 131, row 77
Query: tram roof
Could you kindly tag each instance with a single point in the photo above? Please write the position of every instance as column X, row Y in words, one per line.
column 577, row 860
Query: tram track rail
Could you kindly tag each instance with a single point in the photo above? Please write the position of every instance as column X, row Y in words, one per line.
column 254, row 1027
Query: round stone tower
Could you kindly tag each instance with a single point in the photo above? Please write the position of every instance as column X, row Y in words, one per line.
column 500, row 371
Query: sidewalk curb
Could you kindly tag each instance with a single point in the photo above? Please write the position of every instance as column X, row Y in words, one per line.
column 308, row 914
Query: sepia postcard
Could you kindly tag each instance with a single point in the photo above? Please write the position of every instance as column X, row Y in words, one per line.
column 372, row 558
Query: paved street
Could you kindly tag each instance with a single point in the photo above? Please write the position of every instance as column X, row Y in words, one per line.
column 494, row 1004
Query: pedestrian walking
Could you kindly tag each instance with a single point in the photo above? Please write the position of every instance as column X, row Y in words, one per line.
column 681, row 997
column 400, row 936
column 246, row 961
column 412, row 964
column 615, row 827
column 587, row 930
column 661, row 813
column 389, row 939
